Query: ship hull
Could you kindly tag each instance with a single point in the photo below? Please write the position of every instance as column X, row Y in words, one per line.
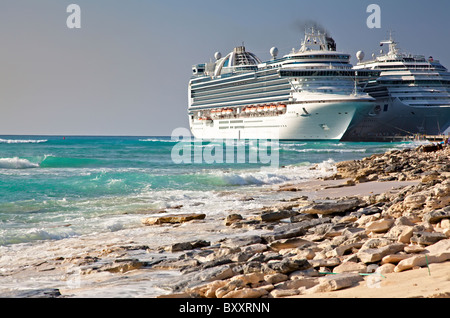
column 311, row 121
column 399, row 120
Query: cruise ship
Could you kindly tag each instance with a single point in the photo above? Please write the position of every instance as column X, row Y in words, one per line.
column 308, row 94
column 412, row 97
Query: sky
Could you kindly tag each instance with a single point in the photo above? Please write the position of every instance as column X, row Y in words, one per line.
column 126, row 70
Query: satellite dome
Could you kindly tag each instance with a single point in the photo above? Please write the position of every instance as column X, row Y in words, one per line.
column 274, row 52
column 217, row 55
column 360, row 55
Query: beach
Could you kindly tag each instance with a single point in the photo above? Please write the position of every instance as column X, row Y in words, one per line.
column 374, row 227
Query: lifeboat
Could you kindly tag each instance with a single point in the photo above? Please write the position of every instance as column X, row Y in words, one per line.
column 266, row 108
column 260, row 109
column 229, row 111
column 224, row 111
column 215, row 113
column 253, row 109
column 281, row 107
column 273, row 108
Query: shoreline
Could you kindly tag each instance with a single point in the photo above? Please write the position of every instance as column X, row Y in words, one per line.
column 335, row 225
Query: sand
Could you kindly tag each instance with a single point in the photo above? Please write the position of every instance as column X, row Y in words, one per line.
column 420, row 282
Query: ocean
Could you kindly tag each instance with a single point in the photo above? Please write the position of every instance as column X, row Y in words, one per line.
column 55, row 187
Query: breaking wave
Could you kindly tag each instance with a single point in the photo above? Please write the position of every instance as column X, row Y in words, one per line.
column 22, row 141
column 17, row 163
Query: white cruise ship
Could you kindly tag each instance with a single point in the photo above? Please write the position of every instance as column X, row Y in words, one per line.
column 309, row 94
column 412, row 97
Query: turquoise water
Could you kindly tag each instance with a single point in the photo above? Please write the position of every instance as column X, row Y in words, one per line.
column 52, row 187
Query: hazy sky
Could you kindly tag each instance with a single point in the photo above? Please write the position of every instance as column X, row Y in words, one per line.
column 125, row 72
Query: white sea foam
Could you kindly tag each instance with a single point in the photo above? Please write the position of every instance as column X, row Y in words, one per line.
column 271, row 176
column 16, row 163
column 22, row 141
column 157, row 140
column 332, row 150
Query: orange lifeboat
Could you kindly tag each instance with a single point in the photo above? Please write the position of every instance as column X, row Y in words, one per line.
column 260, row 109
column 266, row 108
column 273, row 107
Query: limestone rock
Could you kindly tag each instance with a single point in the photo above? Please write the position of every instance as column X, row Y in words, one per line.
column 285, row 232
column 379, row 226
column 249, row 279
column 414, row 201
column 405, row 235
column 182, row 246
column 414, row 249
column 305, row 282
column 385, row 269
column 394, row 258
column 287, row 266
column 275, row 278
column 173, row 218
column 437, row 216
column 272, row 216
column 350, row 267
column 331, row 206
column 233, row 218
column 241, row 241
column 327, row 262
column 427, row 238
column 246, row 293
column 335, row 282
column 278, row 293
column 289, row 243
column 123, row 266
column 372, row 255
column 437, row 253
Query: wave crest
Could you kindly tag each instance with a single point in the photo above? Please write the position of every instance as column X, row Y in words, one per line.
column 22, row 141
column 16, row 163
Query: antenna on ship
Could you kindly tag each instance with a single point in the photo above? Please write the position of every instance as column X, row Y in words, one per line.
column 392, row 44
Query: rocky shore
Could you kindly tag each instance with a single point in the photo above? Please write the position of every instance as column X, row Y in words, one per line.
column 385, row 214
column 317, row 246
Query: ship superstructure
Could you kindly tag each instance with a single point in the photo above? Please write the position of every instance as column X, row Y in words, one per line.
column 412, row 96
column 310, row 93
